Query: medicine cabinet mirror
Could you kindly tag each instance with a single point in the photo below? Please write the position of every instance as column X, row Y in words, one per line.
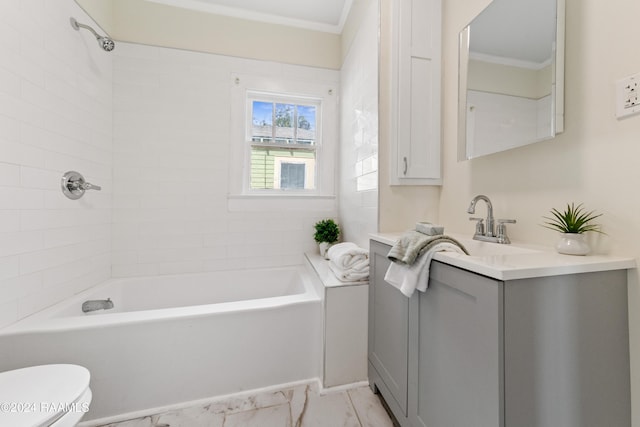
column 511, row 76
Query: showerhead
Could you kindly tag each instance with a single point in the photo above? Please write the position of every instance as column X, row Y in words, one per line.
column 105, row 43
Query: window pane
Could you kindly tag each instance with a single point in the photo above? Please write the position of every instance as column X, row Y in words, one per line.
column 285, row 118
column 278, row 168
column 306, row 124
column 292, row 175
column 262, row 121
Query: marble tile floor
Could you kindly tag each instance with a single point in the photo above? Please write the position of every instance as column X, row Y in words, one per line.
column 300, row 406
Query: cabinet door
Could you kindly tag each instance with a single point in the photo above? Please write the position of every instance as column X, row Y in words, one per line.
column 416, row 81
column 567, row 351
column 388, row 332
column 459, row 342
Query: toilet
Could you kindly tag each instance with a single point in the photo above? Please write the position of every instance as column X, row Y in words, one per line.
column 44, row 396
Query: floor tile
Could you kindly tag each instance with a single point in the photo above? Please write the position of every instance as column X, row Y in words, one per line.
column 330, row 410
column 241, row 404
column 198, row 416
column 138, row 422
column 275, row 416
column 298, row 400
column 369, row 409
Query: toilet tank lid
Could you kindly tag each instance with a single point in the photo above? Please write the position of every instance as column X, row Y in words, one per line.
column 38, row 395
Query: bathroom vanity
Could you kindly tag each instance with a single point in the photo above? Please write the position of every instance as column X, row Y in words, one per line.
column 507, row 336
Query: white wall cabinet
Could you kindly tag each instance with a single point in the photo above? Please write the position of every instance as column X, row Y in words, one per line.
column 415, row 133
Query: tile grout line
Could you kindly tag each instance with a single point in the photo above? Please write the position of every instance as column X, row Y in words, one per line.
column 354, row 408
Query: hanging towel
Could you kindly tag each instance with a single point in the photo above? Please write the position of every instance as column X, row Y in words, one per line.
column 412, row 243
column 348, row 256
column 407, row 278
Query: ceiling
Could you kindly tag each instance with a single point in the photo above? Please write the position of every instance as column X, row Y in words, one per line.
column 320, row 15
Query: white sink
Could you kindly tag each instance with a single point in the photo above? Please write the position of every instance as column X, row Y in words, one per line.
column 483, row 249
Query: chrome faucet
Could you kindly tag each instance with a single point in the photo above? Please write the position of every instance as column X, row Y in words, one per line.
column 487, row 232
column 97, row 304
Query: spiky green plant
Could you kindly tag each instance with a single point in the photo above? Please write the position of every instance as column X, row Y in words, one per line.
column 574, row 219
column 326, row 231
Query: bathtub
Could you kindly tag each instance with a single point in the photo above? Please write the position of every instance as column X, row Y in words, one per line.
column 173, row 339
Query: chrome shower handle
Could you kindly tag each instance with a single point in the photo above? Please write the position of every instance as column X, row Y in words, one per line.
column 90, row 186
column 74, row 185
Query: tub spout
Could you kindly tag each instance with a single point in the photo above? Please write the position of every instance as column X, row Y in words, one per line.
column 97, row 304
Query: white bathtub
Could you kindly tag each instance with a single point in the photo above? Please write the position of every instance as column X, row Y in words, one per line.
column 173, row 339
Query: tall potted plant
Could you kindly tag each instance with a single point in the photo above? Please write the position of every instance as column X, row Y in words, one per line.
column 573, row 222
column 327, row 233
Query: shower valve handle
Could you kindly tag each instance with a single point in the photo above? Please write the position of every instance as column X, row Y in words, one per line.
column 74, row 185
column 90, row 186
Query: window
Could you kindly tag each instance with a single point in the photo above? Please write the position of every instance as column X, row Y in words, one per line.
column 283, row 139
column 292, row 175
column 282, row 133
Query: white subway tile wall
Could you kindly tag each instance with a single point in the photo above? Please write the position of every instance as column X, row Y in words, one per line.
column 171, row 168
column 359, row 134
column 55, row 115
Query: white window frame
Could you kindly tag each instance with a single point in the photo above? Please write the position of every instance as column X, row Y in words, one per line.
column 244, row 89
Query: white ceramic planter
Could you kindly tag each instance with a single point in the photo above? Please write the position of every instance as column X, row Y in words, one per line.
column 324, row 248
column 572, row 244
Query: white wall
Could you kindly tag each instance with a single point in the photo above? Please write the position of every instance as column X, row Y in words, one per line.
column 172, row 144
column 55, row 116
column 359, row 133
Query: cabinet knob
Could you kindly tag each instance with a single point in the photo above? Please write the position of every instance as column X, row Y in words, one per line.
column 406, row 166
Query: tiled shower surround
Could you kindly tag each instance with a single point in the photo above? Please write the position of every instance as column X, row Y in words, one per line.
column 171, row 168
column 358, row 186
column 55, row 116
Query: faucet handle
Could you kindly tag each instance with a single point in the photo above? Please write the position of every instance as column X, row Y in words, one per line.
column 501, row 230
column 479, row 225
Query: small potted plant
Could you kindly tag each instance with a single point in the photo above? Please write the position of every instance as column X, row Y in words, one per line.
column 573, row 222
column 327, row 233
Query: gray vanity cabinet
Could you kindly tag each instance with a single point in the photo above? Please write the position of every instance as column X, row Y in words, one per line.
column 476, row 351
column 388, row 334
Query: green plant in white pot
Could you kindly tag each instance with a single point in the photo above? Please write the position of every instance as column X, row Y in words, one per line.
column 327, row 233
column 573, row 222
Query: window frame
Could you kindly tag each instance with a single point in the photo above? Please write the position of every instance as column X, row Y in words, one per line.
column 246, row 89
column 316, row 147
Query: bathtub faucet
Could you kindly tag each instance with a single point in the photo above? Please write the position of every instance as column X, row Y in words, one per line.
column 97, row 304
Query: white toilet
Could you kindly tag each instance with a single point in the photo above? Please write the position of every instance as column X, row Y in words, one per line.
column 47, row 395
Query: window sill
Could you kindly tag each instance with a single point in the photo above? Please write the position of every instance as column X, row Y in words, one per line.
column 280, row 202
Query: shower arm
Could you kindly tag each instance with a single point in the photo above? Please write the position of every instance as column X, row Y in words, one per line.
column 75, row 24
column 105, row 42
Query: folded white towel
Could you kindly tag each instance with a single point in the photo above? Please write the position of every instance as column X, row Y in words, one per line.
column 350, row 275
column 348, row 256
column 408, row 278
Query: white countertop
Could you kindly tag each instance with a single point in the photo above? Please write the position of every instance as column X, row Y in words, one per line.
column 517, row 261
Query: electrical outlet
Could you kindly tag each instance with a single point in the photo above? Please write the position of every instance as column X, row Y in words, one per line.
column 628, row 96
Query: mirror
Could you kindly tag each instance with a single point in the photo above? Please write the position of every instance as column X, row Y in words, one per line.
column 511, row 77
